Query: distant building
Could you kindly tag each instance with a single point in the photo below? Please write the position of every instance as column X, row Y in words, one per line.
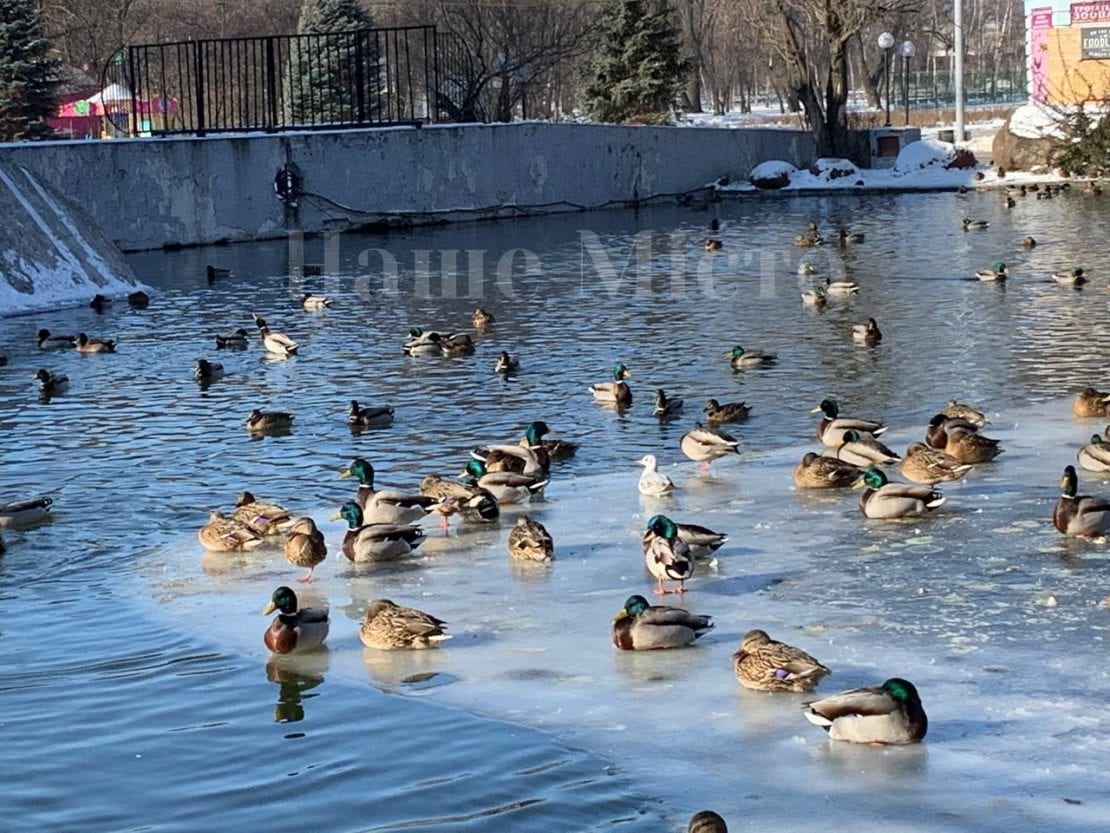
column 1068, row 47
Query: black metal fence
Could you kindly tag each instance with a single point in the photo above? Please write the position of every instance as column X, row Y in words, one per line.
column 360, row 78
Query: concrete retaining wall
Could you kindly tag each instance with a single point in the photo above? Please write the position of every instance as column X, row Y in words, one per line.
column 149, row 193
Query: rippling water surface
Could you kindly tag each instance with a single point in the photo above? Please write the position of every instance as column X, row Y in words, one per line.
column 135, row 688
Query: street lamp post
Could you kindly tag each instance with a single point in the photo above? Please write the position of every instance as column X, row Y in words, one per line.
column 886, row 43
column 958, row 45
column 907, row 49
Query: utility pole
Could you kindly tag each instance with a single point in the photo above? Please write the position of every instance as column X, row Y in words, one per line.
column 958, row 25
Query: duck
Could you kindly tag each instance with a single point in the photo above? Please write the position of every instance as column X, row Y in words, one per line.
column 269, row 422
column 296, row 629
column 703, row 444
column 138, row 300
column 960, row 440
column 1090, row 402
column 375, row 542
column 640, row 626
column 1029, row 242
column 379, row 416
column 266, row 519
column 832, row 427
column 712, row 244
column 1080, row 516
column 313, row 303
column 388, row 626
column 506, row 364
column 809, row 239
column 482, row 319
column 998, row 272
column 667, row 556
column 815, row 298
column 277, row 344
column 974, row 225
column 223, row 534
column 214, row 272
column 422, row 344
column 382, row 507
column 652, row 481
column 930, row 466
column 742, row 359
column 27, row 512
column 529, row 456
column 968, row 413
column 1011, row 202
column 232, row 341
column 1071, row 277
column 529, row 540
column 457, row 345
column 51, row 384
column 701, row 540
column 666, row 408
column 840, row 288
column 473, row 504
column 507, row 486
column 706, row 821
column 864, row 451
column 88, row 345
column 868, row 333
column 806, row 268
column 815, row 471
column 763, row 664
column 616, row 392
column 888, row 714
column 207, row 372
column 305, row 547
column 845, row 237
column 716, row 413
column 887, row 501
column 1095, row 456
column 49, row 341
column 713, row 224
column 100, row 302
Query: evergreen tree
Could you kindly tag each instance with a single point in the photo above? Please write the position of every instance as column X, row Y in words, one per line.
column 637, row 68
column 28, row 76
column 325, row 72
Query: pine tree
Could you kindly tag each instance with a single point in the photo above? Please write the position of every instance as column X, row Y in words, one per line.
column 28, row 76
column 637, row 68
column 323, row 82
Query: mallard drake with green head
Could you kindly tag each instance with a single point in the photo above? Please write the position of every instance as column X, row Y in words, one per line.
column 832, row 427
column 617, row 392
column 232, row 341
column 482, row 319
column 961, row 440
column 888, row 714
column 388, row 626
column 314, row 303
column 296, row 629
column 269, row 422
column 974, row 225
column 863, row 451
column 667, row 556
column 665, row 406
column 543, row 450
column 1095, row 456
column 89, row 346
column 653, row 482
column 385, row 507
column 1090, row 402
column 48, row 341
column 521, row 458
column 929, row 466
column 816, row 471
column 305, row 547
column 29, row 512
column 276, row 344
column 50, row 384
column 1070, row 277
column 741, row 359
column 222, row 534
column 706, row 821
column 716, row 413
column 420, row 344
column 370, row 416
column 763, row 664
column 883, row 500
column 1080, row 516
column 998, row 272
column 704, row 444
column 267, row 519
column 968, row 413
column 507, row 486
column 840, row 288
column 375, row 542
column 640, row 626
column 206, row 372
column 529, row 540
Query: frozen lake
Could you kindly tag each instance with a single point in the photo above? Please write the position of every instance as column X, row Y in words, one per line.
column 132, row 660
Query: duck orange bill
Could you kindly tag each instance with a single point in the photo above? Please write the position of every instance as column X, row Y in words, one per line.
column 268, row 609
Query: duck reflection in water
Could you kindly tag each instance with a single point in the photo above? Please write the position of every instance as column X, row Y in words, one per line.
column 293, row 685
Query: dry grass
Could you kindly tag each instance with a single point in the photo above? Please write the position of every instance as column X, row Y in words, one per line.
column 918, row 118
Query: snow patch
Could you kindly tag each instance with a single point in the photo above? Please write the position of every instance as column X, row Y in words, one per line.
column 771, row 169
column 1034, row 121
column 917, row 156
